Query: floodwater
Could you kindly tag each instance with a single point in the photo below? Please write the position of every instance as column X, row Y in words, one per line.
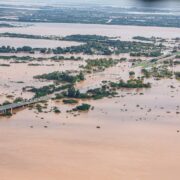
column 24, row 72
column 125, row 32
column 138, row 136
column 35, row 43
column 132, row 144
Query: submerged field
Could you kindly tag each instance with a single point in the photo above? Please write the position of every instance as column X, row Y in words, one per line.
column 129, row 79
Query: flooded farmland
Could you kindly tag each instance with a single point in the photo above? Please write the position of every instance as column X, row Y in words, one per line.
column 133, row 134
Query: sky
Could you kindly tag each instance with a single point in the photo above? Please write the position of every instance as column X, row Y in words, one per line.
column 120, row 3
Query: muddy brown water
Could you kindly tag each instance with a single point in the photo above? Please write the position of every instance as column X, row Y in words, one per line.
column 138, row 135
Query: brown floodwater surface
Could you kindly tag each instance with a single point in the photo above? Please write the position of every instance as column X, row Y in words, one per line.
column 134, row 136
column 125, row 32
column 35, row 43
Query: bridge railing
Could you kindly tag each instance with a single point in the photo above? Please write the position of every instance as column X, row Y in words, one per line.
column 23, row 103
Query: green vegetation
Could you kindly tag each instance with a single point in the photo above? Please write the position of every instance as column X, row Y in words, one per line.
column 157, row 72
column 146, row 73
column 144, row 64
column 92, row 44
column 96, row 65
column 23, row 58
column 153, row 53
column 6, row 103
column 56, row 110
column 140, row 38
column 34, row 64
column 97, row 93
column 46, row 90
column 29, row 58
column 100, row 93
column 70, row 101
column 39, row 108
column 5, row 65
column 19, row 99
column 58, row 96
column 59, row 77
column 178, row 56
column 59, row 58
column 28, row 36
column 85, row 38
column 177, row 75
column 7, row 113
column 131, row 73
column 62, row 77
column 73, row 93
column 133, row 83
column 20, row 82
column 83, row 107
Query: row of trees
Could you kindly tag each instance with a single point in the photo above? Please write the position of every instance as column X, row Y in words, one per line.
column 62, row 77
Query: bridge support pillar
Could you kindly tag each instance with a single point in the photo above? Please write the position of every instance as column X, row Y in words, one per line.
column 11, row 110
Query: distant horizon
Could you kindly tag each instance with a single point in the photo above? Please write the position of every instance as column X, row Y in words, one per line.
column 118, row 3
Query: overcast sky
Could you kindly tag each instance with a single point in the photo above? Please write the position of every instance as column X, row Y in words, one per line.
column 121, row 3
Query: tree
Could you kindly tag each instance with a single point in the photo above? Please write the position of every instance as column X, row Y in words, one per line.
column 78, row 93
column 81, row 76
column 71, row 92
column 131, row 73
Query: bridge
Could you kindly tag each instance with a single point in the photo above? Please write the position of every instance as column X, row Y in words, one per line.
column 5, row 108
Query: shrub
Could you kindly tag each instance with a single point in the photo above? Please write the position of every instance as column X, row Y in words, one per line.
column 70, row 101
column 83, row 107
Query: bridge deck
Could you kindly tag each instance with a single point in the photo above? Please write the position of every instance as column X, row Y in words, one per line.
column 23, row 103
